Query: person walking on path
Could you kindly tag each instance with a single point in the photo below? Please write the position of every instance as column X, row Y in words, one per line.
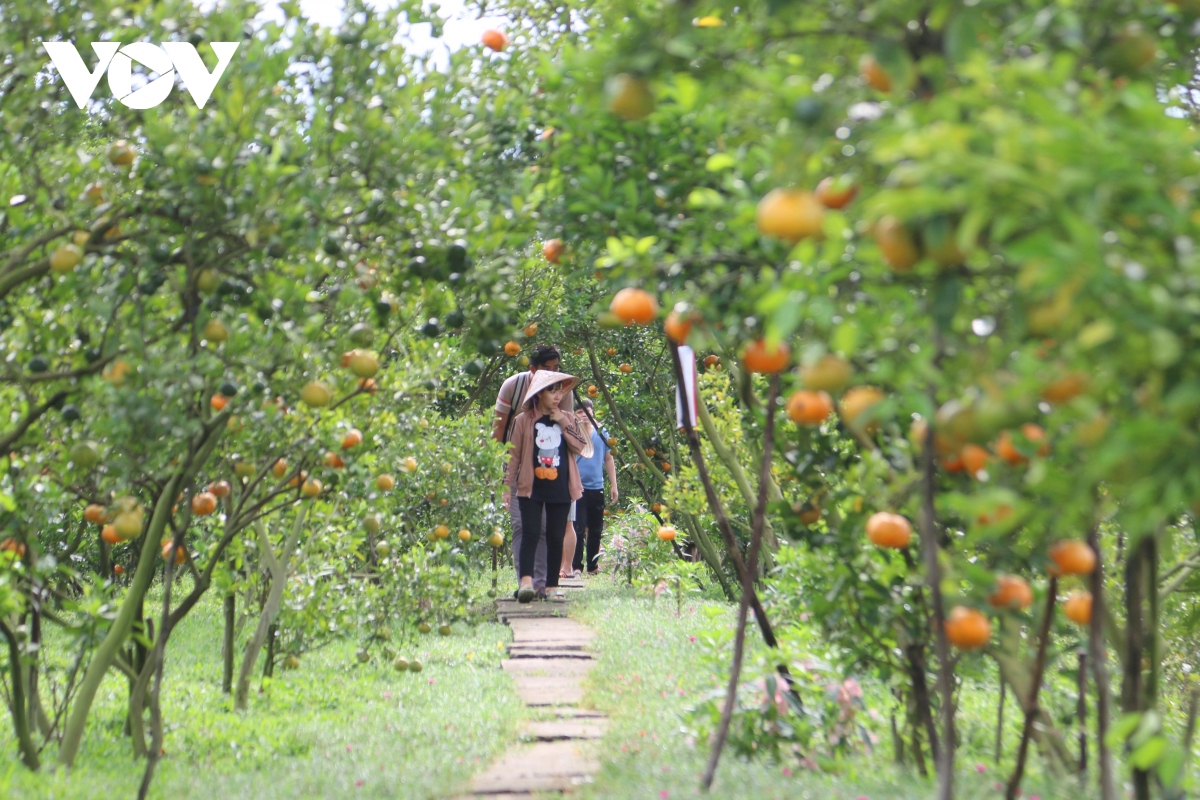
column 512, row 396
column 569, row 542
column 589, row 511
column 543, row 475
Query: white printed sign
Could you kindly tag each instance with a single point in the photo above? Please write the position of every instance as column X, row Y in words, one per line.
column 117, row 61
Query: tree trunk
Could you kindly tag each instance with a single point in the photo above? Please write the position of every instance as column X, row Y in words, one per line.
column 278, row 571
column 756, row 537
column 228, row 642
column 138, row 656
column 38, row 721
column 897, row 742
column 1174, row 791
column 1000, row 723
column 1081, row 713
column 1049, row 739
column 106, row 570
column 918, row 754
column 127, row 653
column 918, row 676
column 1030, row 703
column 156, row 664
column 718, row 510
column 29, row 751
column 1099, row 658
column 118, row 632
column 1154, row 638
column 135, row 720
column 272, row 642
column 933, row 581
column 735, row 469
column 709, row 554
column 1133, row 695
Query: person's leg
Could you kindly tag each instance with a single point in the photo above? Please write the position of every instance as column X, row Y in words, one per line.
column 581, row 526
column 514, row 513
column 539, row 559
column 531, row 521
column 556, row 525
column 595, row 528
column 568, row 543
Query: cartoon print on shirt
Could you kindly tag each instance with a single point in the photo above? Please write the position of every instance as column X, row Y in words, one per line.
column 548, row 439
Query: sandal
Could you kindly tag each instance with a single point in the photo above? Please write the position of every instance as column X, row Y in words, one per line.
column 577, row 573
column 526, row 594
column 557, row 596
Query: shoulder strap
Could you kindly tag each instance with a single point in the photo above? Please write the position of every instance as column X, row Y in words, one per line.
column 515, row 407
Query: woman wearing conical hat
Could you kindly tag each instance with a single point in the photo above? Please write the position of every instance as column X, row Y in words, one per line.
column 543, row 475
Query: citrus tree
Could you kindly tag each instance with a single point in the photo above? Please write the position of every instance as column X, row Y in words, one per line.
column 974, row 218
column 214, row 319
column 938, row 261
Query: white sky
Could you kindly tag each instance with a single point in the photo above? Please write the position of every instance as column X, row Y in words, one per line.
column 461, row 28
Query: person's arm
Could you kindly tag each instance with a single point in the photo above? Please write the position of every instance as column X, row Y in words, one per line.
column 510, row 471
column 504, row 410
column 572, row 430
column 610, row 467
column 498, row 425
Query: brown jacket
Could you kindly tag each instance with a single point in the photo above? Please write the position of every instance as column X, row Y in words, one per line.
column 520, row 460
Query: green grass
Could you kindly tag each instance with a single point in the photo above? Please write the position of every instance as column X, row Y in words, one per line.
column 649, row 671
column 332, row 728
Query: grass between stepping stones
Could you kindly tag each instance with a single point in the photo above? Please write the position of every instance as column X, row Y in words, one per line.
column 651, row 666
column 332, row 728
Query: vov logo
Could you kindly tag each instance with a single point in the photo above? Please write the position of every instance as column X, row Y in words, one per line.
column 117, row 61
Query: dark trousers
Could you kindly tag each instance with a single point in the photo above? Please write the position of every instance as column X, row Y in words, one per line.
column 539, row 563
column 589, row 515
column 556, row 526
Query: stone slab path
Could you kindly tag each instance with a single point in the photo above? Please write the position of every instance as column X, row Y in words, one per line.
column 547, row 660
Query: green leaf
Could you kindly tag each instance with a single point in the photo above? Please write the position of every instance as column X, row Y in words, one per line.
column 687, row 91
column 1170, row 766
column 1149, row 725
column 947, row 293
column 1165, row 348
column 972, row 224
column 1122, row 729
column 785, row 319
column 1150, row 753
column 894, row 59
column 1096, row 333
column 680, row 47
column 845, row 338
column 631, row 193
column 719, row 161
column 962, row 35
column 704, row 197
column 6, row 502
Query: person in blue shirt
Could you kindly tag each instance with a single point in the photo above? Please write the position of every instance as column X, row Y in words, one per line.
column 589, row 510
